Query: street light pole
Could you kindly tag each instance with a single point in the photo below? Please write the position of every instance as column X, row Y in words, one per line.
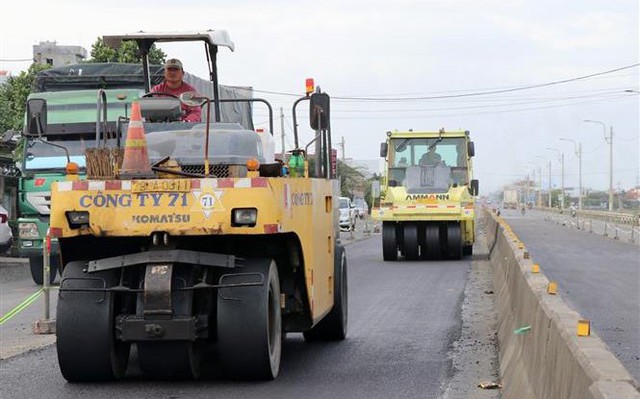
column 561, row 159
column 577, row 148
column 610, row 142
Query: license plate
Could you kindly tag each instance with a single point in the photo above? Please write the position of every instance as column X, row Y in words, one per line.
column 169, row 185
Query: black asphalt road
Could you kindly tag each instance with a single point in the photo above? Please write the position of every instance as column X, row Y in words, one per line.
column 403, row 319
column 597, row 276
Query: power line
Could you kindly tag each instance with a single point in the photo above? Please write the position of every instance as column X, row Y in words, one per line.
column 489, row 92
column 461, row 95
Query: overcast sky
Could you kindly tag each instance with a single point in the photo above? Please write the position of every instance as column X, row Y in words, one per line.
column 407, row 49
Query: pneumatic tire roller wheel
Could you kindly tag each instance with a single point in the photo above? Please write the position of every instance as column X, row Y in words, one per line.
column 432, row 247
column 454, row 241
column 334, row 326
column 389, row 242
column 411, row 245
column 249, row 322
column 86, row 339
column 173, row 360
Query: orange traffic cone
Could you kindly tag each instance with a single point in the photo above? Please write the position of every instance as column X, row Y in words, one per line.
column 136, row 156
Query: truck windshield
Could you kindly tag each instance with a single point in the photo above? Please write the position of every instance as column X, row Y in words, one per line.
column 428, row 165
column 44, row 156
column 409, row 152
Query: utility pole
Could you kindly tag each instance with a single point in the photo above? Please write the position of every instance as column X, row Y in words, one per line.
column 562, row 167
column 342, row 146
column 526, row 200
column 577, row 148
column 610, row 142
column 579, row 154
column 282, row 132
column 549, row 184
column 610, row 168
column 540, row 196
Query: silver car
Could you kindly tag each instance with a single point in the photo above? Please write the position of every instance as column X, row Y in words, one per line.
column 347, row 214
column 6, row 238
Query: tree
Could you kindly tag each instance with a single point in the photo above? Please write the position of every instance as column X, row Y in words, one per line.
column 13, row 97
column 127, row 52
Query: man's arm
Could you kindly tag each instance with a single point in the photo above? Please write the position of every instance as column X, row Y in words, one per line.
column 193, row 114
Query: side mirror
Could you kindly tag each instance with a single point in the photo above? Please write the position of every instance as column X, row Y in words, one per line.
column 384, row 149
column 319, row 111
column 192, row 99
column 471, row 149
column 474, row 187
column 36, row 117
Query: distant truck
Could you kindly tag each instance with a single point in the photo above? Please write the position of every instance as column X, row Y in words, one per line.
column 510, row 198
column 428, row 195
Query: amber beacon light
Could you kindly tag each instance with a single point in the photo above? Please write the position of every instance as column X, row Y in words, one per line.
column 309, row 86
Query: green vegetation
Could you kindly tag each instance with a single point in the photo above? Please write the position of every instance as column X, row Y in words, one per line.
column 13, row 97
column 127, row 52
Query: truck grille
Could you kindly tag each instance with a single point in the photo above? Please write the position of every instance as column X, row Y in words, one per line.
column 41, row 201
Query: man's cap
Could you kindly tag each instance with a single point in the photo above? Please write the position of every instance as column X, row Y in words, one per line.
column 173, row 63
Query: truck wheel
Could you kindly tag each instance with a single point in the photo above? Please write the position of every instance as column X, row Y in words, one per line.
column 389, row 242
column 86, row 343
column 411, row 247
column 249, row 322
column 334, row 326
column 37, row 274
column 432, row 238
column 176, row 360
column 454, row 241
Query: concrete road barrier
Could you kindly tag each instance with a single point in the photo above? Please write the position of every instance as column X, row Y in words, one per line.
column 541, row 355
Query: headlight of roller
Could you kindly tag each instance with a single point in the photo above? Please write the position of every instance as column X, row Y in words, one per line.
column 244, row 217
column 77, row 219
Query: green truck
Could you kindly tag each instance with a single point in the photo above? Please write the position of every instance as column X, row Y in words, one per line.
column 77, row 95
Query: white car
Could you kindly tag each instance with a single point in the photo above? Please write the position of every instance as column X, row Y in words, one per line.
column 347, row 214
column 6, row 238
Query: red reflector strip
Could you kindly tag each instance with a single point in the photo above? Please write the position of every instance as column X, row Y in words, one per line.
column 55, row 232
column 270, row 228
column 195, row 183
column 39, row 182
column 80, row 185
column 112, row 185
column 258, row 182
column 225, row 183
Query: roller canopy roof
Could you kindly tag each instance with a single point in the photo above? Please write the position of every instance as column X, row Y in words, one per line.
column 213, row 37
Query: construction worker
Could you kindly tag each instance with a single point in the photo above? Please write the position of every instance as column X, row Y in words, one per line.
column 173, row 84
column 431, row 157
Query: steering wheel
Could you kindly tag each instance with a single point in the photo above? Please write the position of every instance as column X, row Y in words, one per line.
column 159, row 93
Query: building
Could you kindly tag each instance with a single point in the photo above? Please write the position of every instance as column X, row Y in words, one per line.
column 50, row 53
column 4, row 76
